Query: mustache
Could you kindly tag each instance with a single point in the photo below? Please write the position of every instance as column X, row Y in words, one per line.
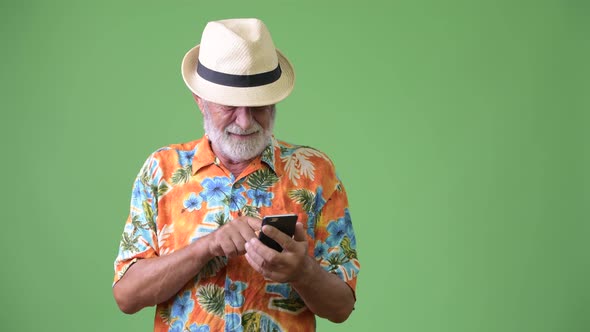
column 235, row 129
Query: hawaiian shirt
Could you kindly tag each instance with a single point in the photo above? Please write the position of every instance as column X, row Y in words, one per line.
column 183, row 192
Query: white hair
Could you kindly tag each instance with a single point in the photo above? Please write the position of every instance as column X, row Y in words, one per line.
column 234, row 149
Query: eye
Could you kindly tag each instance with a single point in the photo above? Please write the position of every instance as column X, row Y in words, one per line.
column 260, row 108
column 226, row 109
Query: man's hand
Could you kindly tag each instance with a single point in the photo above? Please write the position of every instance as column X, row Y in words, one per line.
column 324, row 293
column 154, row 280
column 286, row 266
column 229, row 239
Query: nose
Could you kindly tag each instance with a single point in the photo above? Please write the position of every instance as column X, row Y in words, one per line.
column 243, row 117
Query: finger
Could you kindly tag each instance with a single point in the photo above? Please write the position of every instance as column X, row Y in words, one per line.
column 239, row 238
column 254, row 223
column 240, row 247
column 252, row 261
column 254, row 258
column 300, row 234
column 246, row 231
column 258, row 263
column 268, row 255
column 229, row 248
column 218, row 251
column 274, row 233
column 266, row 273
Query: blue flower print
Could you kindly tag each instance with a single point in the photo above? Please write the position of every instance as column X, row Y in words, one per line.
column 233, row 292
column 320, row 250
column 312, row 215
column 268, row 324
column 260, row 197
column 193, row 202
column 139, row 194
column 340, row 228
column 337, row 230
column 237, row 199
column 319, row 200
column 349, row 230
column 233, row 323
column 182, row 306
column 177, row 326
column 342, row 266
column 216, row 190
column 138, row 189
column 196, row 328
column 282, row 289
column 185, row 157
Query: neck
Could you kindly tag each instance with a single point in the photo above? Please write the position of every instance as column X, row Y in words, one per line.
column 236, row 167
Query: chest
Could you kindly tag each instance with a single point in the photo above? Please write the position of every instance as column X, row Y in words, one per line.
column 205, row 202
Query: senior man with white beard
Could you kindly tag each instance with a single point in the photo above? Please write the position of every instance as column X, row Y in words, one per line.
column 190, row 243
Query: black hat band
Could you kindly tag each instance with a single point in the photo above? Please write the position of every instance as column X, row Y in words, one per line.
column 239, row 81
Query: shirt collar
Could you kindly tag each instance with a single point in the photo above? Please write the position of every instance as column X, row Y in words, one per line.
column 204, row 155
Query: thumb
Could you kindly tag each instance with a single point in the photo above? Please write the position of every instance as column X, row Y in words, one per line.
column 300, row 234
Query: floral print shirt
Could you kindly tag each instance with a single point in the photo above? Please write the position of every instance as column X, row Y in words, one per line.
column 183, row 192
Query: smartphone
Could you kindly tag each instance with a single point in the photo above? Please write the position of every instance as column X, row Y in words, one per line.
column 284, row 222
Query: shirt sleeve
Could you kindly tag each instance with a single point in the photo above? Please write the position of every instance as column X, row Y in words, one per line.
column 139, row 239
column 335, row 241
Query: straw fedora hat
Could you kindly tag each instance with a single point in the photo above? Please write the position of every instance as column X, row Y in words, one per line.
column 237, row 64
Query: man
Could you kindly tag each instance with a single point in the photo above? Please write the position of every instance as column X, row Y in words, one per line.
column 190, row 244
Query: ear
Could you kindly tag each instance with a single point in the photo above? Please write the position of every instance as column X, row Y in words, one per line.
column 200, row 102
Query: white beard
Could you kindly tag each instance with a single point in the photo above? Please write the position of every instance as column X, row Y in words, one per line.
column 238, row 149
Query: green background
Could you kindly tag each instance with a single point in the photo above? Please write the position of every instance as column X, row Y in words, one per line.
column 460, row 129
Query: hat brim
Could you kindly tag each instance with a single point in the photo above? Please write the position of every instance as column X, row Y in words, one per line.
column 267, row 94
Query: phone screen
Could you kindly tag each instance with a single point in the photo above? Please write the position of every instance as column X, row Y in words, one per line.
column 284, row 222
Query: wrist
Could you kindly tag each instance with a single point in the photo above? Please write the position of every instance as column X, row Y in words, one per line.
column 201, row 249
column 307, row 272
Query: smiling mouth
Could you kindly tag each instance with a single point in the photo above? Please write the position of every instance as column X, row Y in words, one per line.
column 243, row 135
